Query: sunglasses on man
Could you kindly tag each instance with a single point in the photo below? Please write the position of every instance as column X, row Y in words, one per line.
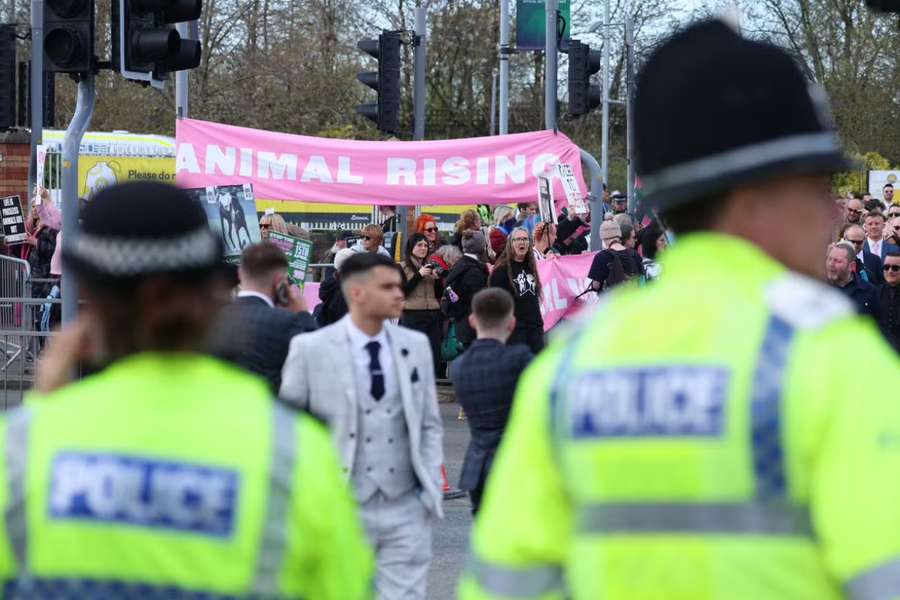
column 430, row 229
column 853, row 211
column 891, row 268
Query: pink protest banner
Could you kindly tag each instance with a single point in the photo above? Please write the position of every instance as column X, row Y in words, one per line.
column 490, row 170
column 563, row 283
column 311, row 294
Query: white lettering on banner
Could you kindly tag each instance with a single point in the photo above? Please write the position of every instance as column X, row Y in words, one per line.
column 456, row 171
column 507, row 169
column 220, row 160
column 246, row 168
column 230, row 161
column 401, row 167
column 482, row 173
column 270, row 165
column 186, row 159
column 317, row 169
column 430, row 174
column 670, row 401
column 344, row 175
column 143, row 492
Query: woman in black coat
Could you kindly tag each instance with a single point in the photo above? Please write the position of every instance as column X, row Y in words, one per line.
column 467, row 277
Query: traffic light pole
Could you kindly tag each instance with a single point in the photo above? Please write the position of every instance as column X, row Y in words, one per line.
column 504, row 67
column 182, row 81
column 550, row 63
column 84, row 110
column 604, row 134
column 596, row 197
column 629, row 111
column 37, row 87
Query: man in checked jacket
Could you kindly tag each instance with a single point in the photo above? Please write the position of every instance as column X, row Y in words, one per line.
column 485, row 377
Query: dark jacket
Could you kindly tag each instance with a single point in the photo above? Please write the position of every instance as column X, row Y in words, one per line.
column 334, row 307
column 863, row 295
column 467, row 277
column 871, row 264
column 39, row 255
column 568, row 239
column 485, row 378
column 257, row 337
column 889, row 314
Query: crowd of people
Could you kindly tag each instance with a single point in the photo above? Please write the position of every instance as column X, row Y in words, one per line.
column 864, row 261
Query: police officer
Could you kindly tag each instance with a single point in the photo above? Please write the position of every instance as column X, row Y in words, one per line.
column 722, row 452
column 167, row 474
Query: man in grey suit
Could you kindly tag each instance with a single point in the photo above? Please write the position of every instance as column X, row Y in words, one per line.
column 373, row 383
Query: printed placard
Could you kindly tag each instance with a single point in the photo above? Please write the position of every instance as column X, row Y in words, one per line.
column 13, row 220
column 574, row 197
column 545, row 200
column 298, row 253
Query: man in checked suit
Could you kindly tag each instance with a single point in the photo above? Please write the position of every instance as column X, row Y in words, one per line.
column 373, row 383
column 485, row 378
column 256, row 329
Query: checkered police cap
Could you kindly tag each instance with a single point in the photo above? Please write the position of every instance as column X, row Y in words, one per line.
column 142, row 228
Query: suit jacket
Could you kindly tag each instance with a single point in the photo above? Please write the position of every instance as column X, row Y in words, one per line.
column 318, row 377
column 485, row 378
column 256, row 336
column 886, row 249
column 872, row 266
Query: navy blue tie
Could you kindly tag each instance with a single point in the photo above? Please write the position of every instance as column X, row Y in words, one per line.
column 375, row 372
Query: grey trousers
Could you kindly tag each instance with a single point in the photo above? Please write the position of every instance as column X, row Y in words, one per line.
column 400, row 533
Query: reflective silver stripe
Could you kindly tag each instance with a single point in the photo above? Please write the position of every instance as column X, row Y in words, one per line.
column 741, row 159
column 18, row 426
column 753, row 518
column 281, row 480
column 513, row 582
column 880, row 583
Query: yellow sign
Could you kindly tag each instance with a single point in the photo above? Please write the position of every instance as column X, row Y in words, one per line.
column 98, row 172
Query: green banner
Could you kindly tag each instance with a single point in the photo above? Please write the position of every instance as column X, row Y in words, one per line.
column 298, row 253
column 531, row 23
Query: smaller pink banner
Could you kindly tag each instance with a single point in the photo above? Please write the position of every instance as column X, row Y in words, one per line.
column 311, row 294
column 563, row 283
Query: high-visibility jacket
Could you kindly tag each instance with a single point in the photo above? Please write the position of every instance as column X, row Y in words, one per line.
column 174, row 476
column 731, row 431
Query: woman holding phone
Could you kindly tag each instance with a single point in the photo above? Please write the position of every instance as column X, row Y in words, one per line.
column 423, row 292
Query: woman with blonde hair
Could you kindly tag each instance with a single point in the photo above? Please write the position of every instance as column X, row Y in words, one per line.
column 272, row 222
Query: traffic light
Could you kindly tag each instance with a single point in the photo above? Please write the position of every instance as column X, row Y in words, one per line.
column 892, row 6
column 583, row 62
column 386, row 81
column 7, row 77
column 68, row 36
column 48, row 93
column 145, row 45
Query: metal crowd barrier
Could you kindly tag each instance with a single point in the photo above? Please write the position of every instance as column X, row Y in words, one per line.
column 24, row 330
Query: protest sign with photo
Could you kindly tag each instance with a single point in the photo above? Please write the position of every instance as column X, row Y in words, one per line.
column 546, row 206
column 298, row 253
column 231, row 212
column 13, row 220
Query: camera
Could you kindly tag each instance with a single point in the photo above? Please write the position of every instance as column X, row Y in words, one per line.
column 438, row 269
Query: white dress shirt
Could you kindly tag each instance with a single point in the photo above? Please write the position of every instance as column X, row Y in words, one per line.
column 263, row 297
column 875, row 247
column 362, row 358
